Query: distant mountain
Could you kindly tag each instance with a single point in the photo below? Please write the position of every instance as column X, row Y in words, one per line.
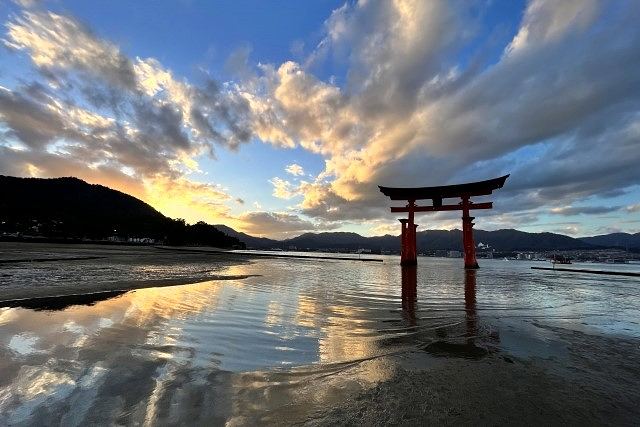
column 620, row 240
column 428, row 240
column 338, row 240
column 69, row 208
column 250, row 241
column 510, row 240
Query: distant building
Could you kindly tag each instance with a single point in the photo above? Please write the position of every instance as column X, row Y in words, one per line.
column 144, row 240
column 441, row 253
column 454, row 254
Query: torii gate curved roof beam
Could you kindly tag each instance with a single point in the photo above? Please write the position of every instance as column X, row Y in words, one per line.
column 479, row 188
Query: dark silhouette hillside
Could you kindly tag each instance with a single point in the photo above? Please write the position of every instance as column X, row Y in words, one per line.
column 619, row 240
column 428, row 240
column 69, row 208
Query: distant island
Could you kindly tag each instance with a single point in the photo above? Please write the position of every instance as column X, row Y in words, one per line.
column 69, row 209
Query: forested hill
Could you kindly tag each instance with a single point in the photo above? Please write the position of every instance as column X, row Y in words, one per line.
column 428, row 240
column 69, row 208
column 619, row 240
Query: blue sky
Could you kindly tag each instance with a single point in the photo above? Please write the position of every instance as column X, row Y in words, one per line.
column 281, row 117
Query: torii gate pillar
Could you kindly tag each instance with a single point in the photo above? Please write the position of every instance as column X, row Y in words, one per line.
column 408, row 247
column 468, row 242
column 403, row 239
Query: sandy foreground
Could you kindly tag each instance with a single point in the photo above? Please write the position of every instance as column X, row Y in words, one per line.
column 599, row 385
column 34, row 270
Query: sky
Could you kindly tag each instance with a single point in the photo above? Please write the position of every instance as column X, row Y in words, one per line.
column 282, row 117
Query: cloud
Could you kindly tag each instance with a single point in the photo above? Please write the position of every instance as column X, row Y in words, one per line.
column 58, row 42
column 633, row 208
column 380, row 228
column 547, row 20
column 183, row 198
column 276, row 224
column 97, row 109
column 584, row 210
column 294, row 169
column 410, row 114
column 570, row 230
column 237, row 63
column 423, row 101
column 283, row 189
column 609, row 230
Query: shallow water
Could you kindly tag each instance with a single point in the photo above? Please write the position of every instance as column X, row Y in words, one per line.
column 297, row 335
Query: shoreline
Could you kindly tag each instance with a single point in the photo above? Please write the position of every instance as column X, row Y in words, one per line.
column 30, row 271
column 108, row 291
column 264, row 255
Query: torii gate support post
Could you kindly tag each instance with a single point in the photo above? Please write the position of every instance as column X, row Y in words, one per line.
column 403, row 240
column 468, row 243
column 408, row 253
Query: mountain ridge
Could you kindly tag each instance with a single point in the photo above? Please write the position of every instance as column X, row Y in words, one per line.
column 427, row 240
column 70, row 209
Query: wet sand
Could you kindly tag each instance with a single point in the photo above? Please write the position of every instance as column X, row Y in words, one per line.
column 60, row 270
column 599, row 386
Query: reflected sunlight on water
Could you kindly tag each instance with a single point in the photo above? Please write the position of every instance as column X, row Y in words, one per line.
column 252, row 344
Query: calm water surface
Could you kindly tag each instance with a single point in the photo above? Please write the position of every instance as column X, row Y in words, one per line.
column 297, row 334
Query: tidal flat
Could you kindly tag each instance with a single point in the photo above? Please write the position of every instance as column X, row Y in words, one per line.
column 274, row 341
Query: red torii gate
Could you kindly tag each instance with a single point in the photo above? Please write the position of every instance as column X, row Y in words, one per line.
column 408, row 253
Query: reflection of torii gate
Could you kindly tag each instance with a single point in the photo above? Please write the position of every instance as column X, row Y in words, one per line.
column 408, row 254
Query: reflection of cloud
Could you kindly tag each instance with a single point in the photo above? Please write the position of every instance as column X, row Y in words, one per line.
column 308, row 313
column 155, row 354
column 344, row 336
column 103, row 340
column 275, row 311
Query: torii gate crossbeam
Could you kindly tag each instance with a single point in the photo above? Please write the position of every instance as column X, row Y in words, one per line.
column 408, row 253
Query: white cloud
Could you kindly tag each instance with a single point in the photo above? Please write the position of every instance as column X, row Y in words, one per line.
column 547, row 20
column 294, row 169
column 633, row 208
column 584, row 210
column 283, row 189
column 278, row 224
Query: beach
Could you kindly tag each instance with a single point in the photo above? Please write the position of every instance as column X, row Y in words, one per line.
column 38, row 270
